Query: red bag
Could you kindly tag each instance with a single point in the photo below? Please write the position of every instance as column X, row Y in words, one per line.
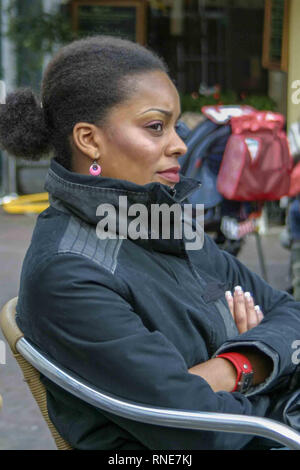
column 256, row 164
column 295, row 181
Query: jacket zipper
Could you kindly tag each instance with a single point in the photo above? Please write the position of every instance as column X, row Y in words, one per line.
column 210, row 346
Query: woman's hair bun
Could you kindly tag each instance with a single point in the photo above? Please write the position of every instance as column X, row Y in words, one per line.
column 23, row 132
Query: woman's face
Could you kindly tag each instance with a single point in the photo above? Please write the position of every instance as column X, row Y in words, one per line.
column 139, row 142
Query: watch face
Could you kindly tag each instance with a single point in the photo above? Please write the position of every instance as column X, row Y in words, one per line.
column 246, row 382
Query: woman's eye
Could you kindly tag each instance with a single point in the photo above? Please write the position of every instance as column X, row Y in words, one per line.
column 157, row 126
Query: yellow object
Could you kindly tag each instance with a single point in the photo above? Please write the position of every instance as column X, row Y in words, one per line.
column 31, row 203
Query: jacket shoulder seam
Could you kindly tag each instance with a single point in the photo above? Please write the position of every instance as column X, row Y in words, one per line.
column 81, row 238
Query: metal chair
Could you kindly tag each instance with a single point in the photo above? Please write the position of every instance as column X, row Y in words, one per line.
column 31, row 374
column 32, row 361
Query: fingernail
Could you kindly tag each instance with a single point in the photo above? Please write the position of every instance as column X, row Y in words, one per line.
column 238, row 290
column 258, row 310
column 228, row 294
column 248, row 296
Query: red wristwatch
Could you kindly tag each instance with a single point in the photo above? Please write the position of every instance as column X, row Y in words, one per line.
column 244, row 380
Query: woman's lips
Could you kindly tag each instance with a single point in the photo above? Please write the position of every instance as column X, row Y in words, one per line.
column 172, row 174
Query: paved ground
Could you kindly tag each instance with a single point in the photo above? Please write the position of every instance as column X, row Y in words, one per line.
column 21, row 424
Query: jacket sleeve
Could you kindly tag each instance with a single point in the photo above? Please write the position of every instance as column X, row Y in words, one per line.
column 82, row 320
column 279, row 331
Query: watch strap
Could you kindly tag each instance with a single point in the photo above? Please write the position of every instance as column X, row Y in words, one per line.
column 244, row 369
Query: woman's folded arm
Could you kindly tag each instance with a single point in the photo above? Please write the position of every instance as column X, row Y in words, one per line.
column 276, row 334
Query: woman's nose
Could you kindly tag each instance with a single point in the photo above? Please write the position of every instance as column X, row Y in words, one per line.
column 176, row 146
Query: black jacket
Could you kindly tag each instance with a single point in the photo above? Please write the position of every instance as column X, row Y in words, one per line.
column 132, row 316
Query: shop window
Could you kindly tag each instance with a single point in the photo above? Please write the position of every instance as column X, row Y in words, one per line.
column 275, row 43
column 123, row 18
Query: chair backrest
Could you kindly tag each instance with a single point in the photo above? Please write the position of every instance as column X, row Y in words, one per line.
column 12, row 334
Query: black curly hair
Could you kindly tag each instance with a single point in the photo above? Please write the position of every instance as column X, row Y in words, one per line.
column 83, row 81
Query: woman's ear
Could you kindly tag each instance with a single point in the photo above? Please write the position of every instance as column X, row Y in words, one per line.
column 87, row 140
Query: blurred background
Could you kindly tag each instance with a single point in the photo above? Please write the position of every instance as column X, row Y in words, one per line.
column 218, row 52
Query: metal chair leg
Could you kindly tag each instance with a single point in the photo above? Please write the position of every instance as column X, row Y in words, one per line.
column 261, row 258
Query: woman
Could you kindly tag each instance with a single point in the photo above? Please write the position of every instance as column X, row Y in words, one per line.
column 142, row 318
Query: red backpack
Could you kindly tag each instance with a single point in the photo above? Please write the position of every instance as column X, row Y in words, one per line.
column 256, row 164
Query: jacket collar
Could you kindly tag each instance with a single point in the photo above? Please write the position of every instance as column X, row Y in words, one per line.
column 83, row 194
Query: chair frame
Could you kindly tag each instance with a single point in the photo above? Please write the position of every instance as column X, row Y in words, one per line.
column 207, row 421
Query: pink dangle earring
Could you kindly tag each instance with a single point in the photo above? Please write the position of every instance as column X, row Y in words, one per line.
column 95, row 169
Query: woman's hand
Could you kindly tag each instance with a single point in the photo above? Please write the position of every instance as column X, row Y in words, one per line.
column 245, row 314
column 220, row 373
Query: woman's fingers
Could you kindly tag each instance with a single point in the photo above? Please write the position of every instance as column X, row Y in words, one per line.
column 241, row 305
column 240, row 311
column 259, row 313
column 229, row 298
column 252, row 317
